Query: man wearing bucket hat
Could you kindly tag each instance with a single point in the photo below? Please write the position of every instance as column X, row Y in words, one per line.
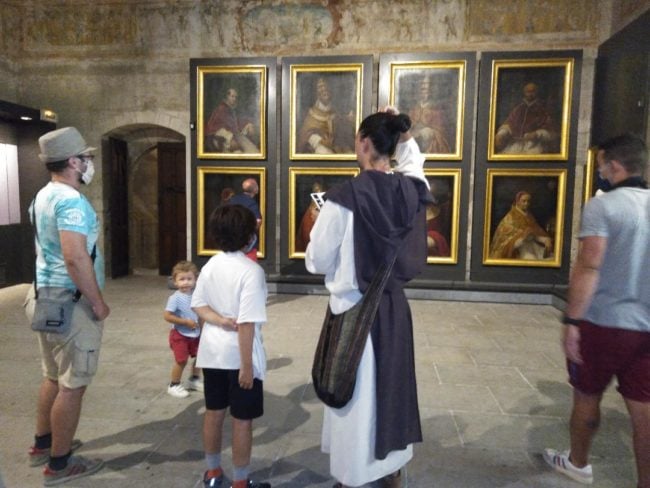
column 66, row 231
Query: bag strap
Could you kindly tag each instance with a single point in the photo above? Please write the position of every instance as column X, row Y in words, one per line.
column 93, row 254
column 33, row 212
column 380, row 279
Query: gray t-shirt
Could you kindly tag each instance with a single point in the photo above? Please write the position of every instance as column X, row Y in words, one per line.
column 622, row 298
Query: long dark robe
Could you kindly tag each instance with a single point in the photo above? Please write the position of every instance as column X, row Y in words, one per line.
column 389, row 214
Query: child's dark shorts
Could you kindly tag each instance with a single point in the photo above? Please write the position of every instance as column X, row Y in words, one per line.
column 608, row 352
column 221, row 390
column 182, row 346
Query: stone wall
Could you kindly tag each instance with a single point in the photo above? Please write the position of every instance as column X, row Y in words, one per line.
column 106, row 64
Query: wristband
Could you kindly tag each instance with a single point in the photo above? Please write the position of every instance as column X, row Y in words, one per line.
column 569, row 321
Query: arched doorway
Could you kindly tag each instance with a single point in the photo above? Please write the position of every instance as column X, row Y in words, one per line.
column 144, row 192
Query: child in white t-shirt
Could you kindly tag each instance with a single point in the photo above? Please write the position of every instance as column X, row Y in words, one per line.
column 230, row 297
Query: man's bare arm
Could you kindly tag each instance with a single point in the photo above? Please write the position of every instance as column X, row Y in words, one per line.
column 585, row 275
column 80, row 268
column 582, row 286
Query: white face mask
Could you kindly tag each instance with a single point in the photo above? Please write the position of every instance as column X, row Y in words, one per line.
column 87, row 176
column 249, row 247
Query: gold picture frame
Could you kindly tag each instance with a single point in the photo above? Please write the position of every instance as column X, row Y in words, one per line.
column 536, row 127
column 231, row 112
column 322, row 126
column 432, row 93
column 213, row 184
column 302, row 210
column 443, row 216
column 524, row 217
column 590, row 187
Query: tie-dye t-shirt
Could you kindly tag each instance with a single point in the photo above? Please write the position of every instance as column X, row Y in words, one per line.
column 60, row 207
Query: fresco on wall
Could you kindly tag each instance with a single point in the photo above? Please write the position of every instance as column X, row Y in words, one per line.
column 95, row 25
column 488, row 19
column 258, row 27
column 273, row 25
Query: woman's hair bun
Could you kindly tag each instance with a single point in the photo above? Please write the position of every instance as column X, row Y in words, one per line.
column 401, row 123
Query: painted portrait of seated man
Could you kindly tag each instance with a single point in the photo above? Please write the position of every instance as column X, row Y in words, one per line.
column 519, row 235
column 529, row 127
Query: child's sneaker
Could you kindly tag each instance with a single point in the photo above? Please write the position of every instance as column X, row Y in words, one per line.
column 213, row 478
column 177, row 391
column 195, row 384
column 77, row 467
column 560, row 462
column 38, row 457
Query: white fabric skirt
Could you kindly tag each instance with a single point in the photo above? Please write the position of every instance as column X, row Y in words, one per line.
column 349, row 432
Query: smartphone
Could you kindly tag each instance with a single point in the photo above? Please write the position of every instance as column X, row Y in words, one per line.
column 318, row 199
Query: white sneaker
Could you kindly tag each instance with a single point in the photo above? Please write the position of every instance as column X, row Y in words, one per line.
column 559, row 461
column 195, row 384
column 177, row 391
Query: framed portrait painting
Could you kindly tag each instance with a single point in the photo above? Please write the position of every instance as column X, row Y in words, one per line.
column 215, row 186
column 443, row 215
column 432, row 93
column 530, row 109
column 303, row 211
column 524, row 216
column 231, row 112
column 591, row 178
column 325, row 109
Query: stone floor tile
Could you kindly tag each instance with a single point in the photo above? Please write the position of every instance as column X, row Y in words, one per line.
column 495, row 357
column 469, row 398
column 510, row 432
column 529, row 401
column 480, row 375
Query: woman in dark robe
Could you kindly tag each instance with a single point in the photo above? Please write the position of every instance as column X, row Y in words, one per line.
column 362, row 223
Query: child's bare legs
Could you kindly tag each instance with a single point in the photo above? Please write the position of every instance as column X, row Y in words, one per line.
column 195, row 382
column 196, row 372
column 177, row 372
column 242, row 443
column 212, row 429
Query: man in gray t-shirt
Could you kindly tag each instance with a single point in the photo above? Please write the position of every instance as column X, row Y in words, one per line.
column 607, row 316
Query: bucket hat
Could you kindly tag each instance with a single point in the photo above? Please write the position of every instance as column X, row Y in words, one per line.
column 61, row 144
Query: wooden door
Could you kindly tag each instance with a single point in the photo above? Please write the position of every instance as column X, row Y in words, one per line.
column 119, row 207
column 172, row 204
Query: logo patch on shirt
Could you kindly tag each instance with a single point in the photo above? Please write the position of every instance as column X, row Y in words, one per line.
column 73, row 217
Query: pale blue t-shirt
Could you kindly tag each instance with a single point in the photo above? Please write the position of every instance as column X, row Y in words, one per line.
column 622, row 298
column 179, row 304
column 60, row 207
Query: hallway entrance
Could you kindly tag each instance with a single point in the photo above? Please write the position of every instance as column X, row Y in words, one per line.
column 145, row 199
